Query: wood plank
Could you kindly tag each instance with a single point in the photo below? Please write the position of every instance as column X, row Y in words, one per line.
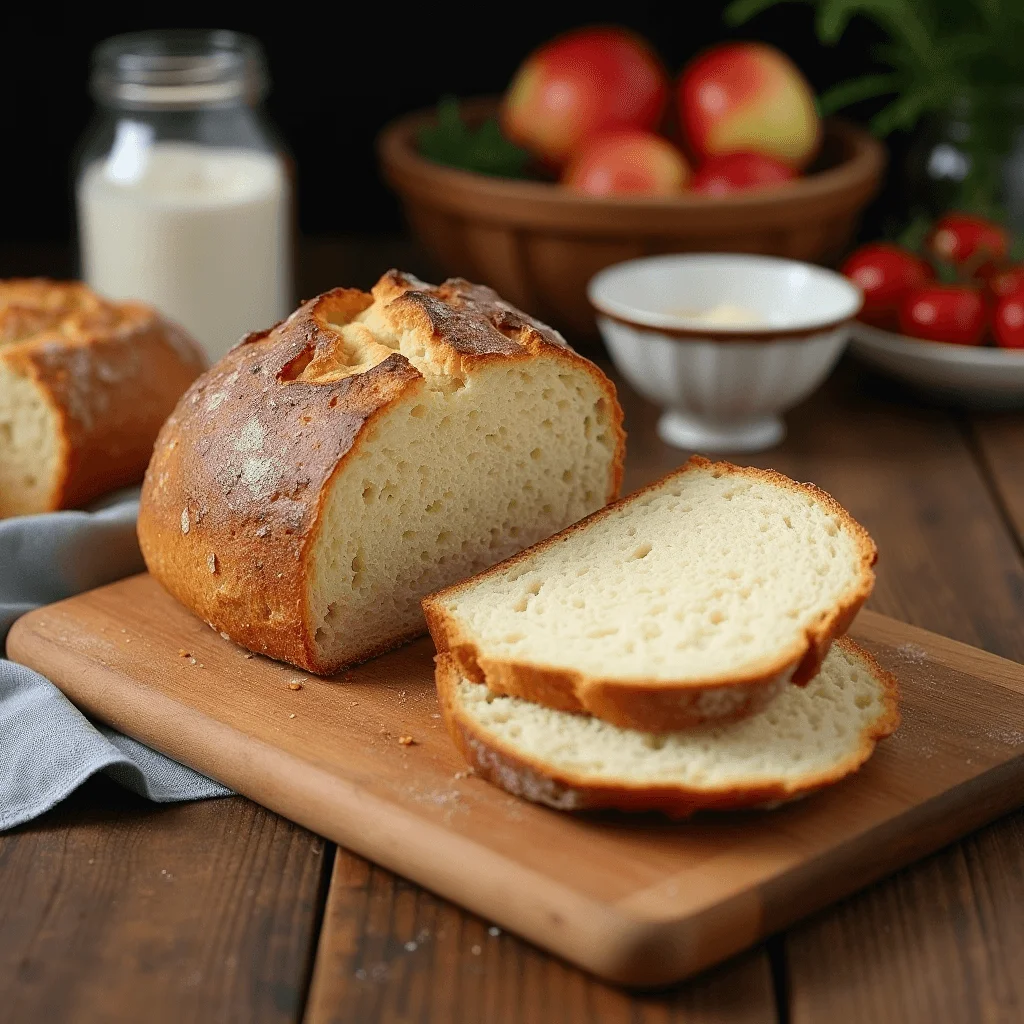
column 1000, row 441
column 112, row 908
column 389, row 951
column 941, row 942
column 652, row 901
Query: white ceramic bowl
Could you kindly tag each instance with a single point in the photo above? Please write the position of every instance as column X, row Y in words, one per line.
column 723, row 385
column 958, row 374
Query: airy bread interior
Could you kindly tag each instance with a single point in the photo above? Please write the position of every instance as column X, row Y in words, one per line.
column 29, row 446
column 807, row 736
column 462, row 474
column 713, row 575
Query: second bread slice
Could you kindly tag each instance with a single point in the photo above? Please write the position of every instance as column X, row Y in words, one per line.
column 697, row 599
column 810, row 737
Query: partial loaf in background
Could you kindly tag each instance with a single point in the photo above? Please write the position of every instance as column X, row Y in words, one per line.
column 808, row 737
column 698, row 598
column 314, row 485
column 85, row 385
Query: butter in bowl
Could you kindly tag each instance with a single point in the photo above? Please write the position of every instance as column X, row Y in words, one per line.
column 724, row 343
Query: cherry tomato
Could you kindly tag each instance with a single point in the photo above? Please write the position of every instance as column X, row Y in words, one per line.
column 885, row 273
column 1005, row 282
column 944, row 312
column 738, row 172
column 969, row 242
column 1008, row 320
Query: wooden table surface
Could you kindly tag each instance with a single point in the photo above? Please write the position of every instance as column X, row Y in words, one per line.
column 115, row 909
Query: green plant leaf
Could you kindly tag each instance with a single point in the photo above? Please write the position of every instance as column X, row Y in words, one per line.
column 902, row 19
column 740, row 11
column 913, row 235
column 450, row 141
column 489, row 152
column 902, row 113
column 963, row 48
column 857, row 89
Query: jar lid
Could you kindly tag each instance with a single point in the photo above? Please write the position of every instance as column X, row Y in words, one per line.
column 178, row 69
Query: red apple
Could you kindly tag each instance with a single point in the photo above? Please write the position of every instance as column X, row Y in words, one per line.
column 740, row 172
column 627, row 163
column 579, row 85
column 748, row 96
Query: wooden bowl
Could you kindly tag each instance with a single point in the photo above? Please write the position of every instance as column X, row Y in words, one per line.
column 538, row 244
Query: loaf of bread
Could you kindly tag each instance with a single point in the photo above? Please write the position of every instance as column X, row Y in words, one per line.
column 85, row 385
column 698, row 598
column 808, row 737
column 315, row 484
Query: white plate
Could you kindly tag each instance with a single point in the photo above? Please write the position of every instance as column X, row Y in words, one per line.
column 961, row 374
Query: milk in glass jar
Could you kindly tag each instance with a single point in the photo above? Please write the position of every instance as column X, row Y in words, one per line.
column 182, row 190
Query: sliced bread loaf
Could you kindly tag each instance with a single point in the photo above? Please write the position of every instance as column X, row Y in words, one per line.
column 809, row 737
column 698, row 598
column 327, row 473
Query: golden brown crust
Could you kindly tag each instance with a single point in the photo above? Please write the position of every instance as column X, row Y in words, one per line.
column 111, row 372
column 231, row 505
column 651, row 704
column 523, row 776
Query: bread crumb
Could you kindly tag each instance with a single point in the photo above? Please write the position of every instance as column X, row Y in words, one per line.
column 224, row 636
column 193, row 660
column 249, row 656
column 292, row 715
column 184, row 520
column 406, row 741
column 411, row 947
column 182, row 653
column 211, row 562
column 476, row 951
column 295, row 685
column 494, row 931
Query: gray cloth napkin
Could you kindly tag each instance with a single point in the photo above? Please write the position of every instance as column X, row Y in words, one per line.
column 47, row 747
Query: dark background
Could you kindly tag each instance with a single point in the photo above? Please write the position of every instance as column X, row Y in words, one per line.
column 339, row 72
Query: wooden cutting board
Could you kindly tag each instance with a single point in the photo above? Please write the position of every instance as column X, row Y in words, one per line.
column 637, row 900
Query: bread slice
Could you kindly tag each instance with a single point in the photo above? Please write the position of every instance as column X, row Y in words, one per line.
column 312, row 487
column 808, row 737
column 697, row 598
column 85, row 385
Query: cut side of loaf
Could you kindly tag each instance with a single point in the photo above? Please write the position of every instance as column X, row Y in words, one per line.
column 85, row 385
column 30, row 447
column 698, row 598
column 809, row 737
column 321, row 479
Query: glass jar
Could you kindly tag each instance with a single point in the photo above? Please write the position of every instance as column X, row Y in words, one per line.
column 182, row 190
column 972, row 158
